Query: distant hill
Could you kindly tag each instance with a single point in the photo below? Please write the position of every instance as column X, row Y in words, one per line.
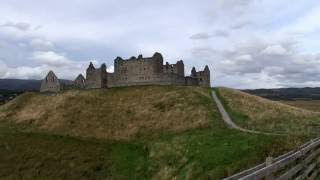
column 22, row 85
column 287, row 93
column 19, row 85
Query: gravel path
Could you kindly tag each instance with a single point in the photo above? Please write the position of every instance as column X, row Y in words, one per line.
column 228, row 121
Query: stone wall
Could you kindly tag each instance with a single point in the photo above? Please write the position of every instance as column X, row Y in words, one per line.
column 50, row 83
column 146, row 71
column 138, row 71
column 191, row 81
column 177, row 68
column 156, row 79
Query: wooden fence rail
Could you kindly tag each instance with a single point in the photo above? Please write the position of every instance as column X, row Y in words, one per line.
column 303, row 163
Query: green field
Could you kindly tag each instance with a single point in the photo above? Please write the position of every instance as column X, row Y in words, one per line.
column 313, row 105
column 30, row 150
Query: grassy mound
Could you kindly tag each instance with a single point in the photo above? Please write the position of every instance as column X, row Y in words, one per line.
column 117, row 113
column 203, row 148
column 254, row 112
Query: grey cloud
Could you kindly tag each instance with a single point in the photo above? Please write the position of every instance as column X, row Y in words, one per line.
column 202, row 35
column 221, row 33
column 240, row 24
column 19, row 25
column 206, row 36
column 241, row 40
column 277, row 62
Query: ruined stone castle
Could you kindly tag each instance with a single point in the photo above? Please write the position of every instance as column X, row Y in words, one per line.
column 132, row 72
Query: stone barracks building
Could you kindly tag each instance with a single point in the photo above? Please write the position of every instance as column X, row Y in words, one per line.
column 132, row 72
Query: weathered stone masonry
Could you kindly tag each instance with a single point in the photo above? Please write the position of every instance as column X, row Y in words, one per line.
column 80, row 82
column 140, row 71
column 50, row 83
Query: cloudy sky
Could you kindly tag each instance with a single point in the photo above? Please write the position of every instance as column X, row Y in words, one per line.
column 246, row 43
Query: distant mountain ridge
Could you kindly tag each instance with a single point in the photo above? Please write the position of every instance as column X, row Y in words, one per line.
column 306, row 93
column 21, row 85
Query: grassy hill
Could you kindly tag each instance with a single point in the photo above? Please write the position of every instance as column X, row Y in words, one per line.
column 254, row 112
column 151, row 132
column 118, row 113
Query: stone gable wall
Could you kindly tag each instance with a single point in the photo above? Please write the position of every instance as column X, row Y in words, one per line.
column 79, row 82
column 50, row 83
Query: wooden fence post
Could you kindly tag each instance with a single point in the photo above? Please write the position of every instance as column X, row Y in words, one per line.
column 269, row 161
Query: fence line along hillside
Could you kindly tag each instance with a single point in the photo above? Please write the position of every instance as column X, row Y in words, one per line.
column 302, row 163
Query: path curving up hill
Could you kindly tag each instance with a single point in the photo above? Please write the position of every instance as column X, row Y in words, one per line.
column 228, row 121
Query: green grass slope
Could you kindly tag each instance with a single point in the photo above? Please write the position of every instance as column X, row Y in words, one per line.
column 27, row 155
column 196, row 146
column 254, row 112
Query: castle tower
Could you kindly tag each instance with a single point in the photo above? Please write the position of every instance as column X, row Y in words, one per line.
column 103, row 72
column 79, row 82
column 50, row 83
column 180, row 68
column 96, row 78
column 117, row 61
column 158, row 66
column 193, row 72
column 204, row 77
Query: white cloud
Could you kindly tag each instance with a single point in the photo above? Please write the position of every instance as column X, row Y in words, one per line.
column 38, row 43
column 50, row 58
column 22, row 72
column 244, row 58
column 110, row 68
column 274, row 50
column 38, row 72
